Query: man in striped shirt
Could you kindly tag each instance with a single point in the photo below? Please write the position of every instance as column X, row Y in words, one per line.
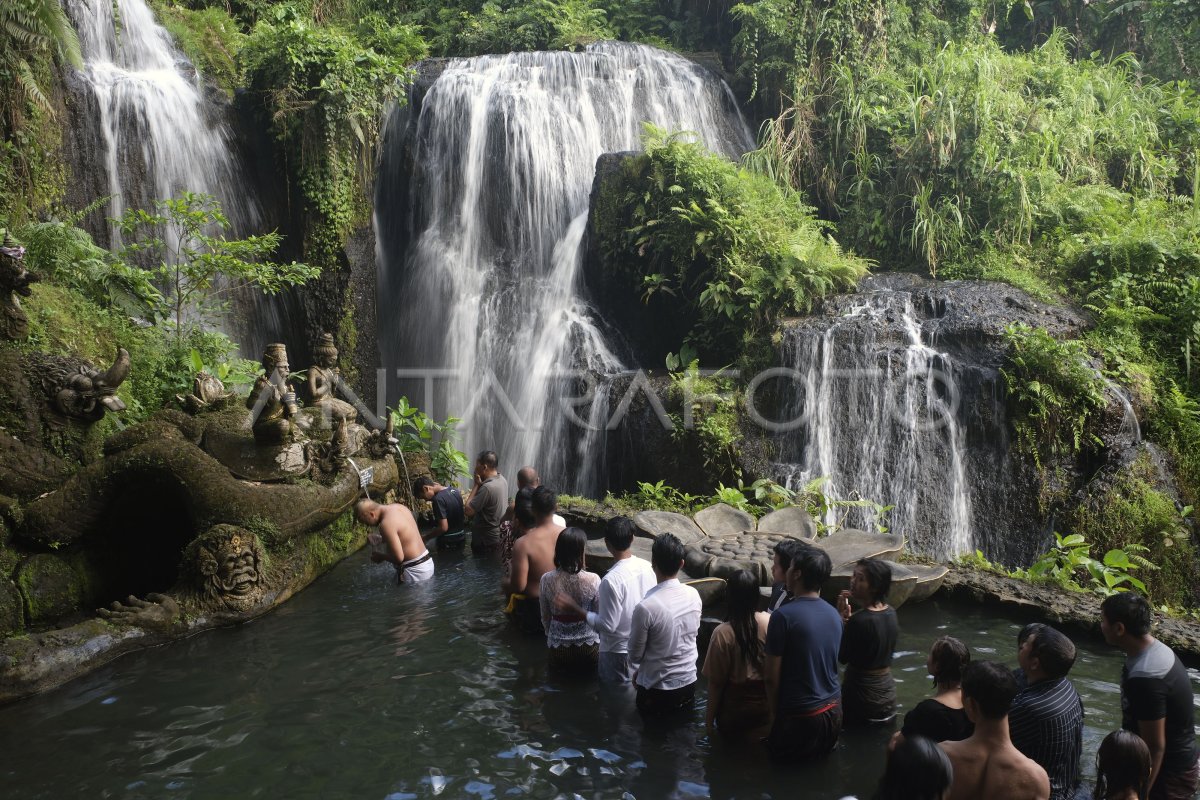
column 1046, row 719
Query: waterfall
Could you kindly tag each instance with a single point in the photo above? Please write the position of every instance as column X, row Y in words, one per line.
column 875, row 409
column 480, row 237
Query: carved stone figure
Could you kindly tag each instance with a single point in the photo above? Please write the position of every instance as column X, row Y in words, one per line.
column 324, row 377
column 382, row 442
column 272, row 401
column 157, row 612
column 85, row 392
column 206, row 390
column 225, row 564
column 331, row 456
column 14, row 280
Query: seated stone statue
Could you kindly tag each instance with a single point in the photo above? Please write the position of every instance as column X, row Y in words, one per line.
column 272, row 402
column 324, row 377
column 14, row 281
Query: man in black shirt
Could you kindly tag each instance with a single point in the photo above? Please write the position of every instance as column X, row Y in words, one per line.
column 1046, row 718
column 448, row 515
column 1156, row 696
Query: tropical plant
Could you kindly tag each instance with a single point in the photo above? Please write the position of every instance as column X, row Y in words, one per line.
column 1069, row 564
column 29, row 31
column 237, row 374
column 660, row 496
column 183, row 243
column 417, row 432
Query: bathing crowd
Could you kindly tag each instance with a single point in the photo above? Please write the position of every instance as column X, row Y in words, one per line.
column 772, row 676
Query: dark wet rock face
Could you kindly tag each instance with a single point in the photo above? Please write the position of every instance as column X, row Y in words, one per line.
column 895, row 393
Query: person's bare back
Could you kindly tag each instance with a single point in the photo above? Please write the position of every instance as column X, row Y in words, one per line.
column 990, row 768
column 396, row 520
column 532, row 557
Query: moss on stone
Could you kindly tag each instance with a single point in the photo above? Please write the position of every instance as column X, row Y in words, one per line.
column 12, row 608
column 50, row 588
column 330, row 545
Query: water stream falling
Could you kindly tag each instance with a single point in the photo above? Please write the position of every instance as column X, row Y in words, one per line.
column 480, row 240
column 159, row 137
column 876, row 412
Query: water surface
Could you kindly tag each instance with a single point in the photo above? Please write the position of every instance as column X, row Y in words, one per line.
column 359, row 688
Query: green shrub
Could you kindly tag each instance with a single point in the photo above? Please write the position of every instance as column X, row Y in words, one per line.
column 209, row 37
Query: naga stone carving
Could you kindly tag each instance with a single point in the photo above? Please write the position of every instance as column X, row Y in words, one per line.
column 225, row 564
column 207, row 390
column 272, row 401
column 82, row 391
column 14, row 281
column 324, row 378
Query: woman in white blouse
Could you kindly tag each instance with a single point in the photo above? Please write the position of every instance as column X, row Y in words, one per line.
column 573, row 645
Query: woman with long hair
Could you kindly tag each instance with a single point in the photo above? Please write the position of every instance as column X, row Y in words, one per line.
column 941, row 717
column 917, row 769
column 572, row 644
column 868, row 641
column 733, row 665
column 1122, row 768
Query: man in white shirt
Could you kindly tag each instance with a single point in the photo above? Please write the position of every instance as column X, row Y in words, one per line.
column 662, row 638
column 623, row 587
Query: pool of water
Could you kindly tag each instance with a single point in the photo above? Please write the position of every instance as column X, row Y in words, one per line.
column 360, row 688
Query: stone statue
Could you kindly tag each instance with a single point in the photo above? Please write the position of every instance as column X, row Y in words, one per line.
column 85, row 392
column 324, row 377
column 329, row 457
column 156, row 613
column 225, row 565
column 272, row 400
column 14, row 280
column 206, row 390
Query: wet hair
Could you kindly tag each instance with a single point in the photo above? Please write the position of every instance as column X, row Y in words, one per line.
column 785, row 551
column 992, row 686
column 813, row 565
column 544, row 502
column 743, row 596
column 523, row 508
column 420, row 483
column 362, row 506
column 619, row 533
column 666, row 554
column 917, row 769
column 1130, row 609
column 568, row 550
column 488, row 458
column 1122, row 763
column 527, row 476
column 879, row 577
column 1054, row 651
column 949, row 657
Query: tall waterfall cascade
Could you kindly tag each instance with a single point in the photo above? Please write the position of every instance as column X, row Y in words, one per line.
column 480, row 240
column 157, row 133
column 874, row 409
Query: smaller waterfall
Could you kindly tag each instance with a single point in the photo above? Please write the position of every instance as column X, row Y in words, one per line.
column 156, row 133
column 875, row 410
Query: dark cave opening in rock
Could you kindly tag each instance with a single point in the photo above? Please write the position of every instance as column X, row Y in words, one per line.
column 140, row 541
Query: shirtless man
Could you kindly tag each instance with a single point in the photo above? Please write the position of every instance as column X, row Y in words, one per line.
column 986, row 765
column 532, row 557
column 404, row 547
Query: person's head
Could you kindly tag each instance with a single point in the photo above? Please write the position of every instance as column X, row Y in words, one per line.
column 947, row 659
column 871, row 581
column 275, row 362
column 1122, row 763
column 486, row 463
column 545, row 503
column 666, row 555
column 810, row 568
column 742, row 594
column 988, row 689
column 568, row 550
column 523, row 509
column 423, row 488
column 619, row 533
column 782, row 561
column 917, row 769
column 1124, row 616
column 367, row 511
column 1045, row 653
column 527, row 476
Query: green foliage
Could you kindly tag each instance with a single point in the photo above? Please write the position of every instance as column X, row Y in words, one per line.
column 1052, row 391
column 709, row 419
column 419, row 433
column 196, row 264
column 1069, row 564
column 237, row 374
column 210, row 38
column 732, row 247
column 31, row 31
column 661, row 497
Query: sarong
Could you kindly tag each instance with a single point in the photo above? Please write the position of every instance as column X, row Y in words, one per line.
column 868, row 696
column 526, row 614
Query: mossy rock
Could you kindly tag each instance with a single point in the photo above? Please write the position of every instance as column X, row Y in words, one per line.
column 12, row 608
column 50, row 588
column 724, row 520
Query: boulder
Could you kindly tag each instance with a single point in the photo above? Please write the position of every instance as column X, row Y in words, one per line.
column 50, row 588
column 929, row 580
column 712, row 590
column 599, row 560
column 652, row 523
column 12, row 608
column 724, row 520
column 793, row 521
